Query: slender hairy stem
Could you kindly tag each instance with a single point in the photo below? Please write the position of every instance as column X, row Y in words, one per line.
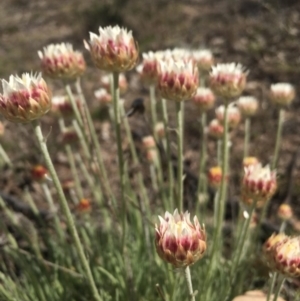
column 74, row 106
column 202, row 181
column 66, row 210
column 271, row 289
column 50, row 202
column 247, row 136
column 179, row 106
column 189, row 283
column 278, row 139
column 222, row 195
column 153, row 107
column 169, row 154
column 96, row 143
column 117, row 120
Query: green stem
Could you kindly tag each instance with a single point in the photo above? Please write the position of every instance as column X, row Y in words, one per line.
column 50, row 202
column 96, row 143
column 153, row 108
column 202, row 180
column 64, row 204
column 278, row 138
column 247, row 136
column 117, row 120
column 219, row 146
column 279, row 287
column 179, row 110
column 189, row 283
column 169, row 153
column 270, row 291
column 74, row 106
column 5, row 157
column 222, row 195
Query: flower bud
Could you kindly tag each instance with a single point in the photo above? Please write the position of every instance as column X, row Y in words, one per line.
column 228, row 80
column 160, row 130
column 84, row 205
column 39, row 173
column 250, row 161
column 103, row 97
column 259, row 184
column 114, row 50
column 148, row 142
column 69, row 136
column 178, row 241
column 215, row 129
column 215, row 176
column 248, row 105
column 152, row 155
column 233, row 115
column 203, row 58
column 61, row 61
column 204, row 99
column 285, row 212
column 62, row 107
column 178, row 80
column 282, row 93
column 24, row 98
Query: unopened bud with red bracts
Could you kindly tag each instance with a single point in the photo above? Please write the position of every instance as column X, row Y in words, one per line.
column 259, row 184
column 248, row 105
column 178, row 80
column 233, row 115
column 24, row 98
column 61, row 61
column 113, row 50
column 228, row 80
column 62, row 107
column 268, row 247
column 282, row 94
column 215, row 129
column 204, row 99
column 179, row 241
column 69, row 136
column 39, row 173
column 203, row 58
column 285, row 212
column 148, row 70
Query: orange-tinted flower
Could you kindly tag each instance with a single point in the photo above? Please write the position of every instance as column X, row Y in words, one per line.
column 39, row 173
column 84, row 205
column 114, row 50
column 285, row 212
column 250, row 161
column 179, row 241
column 228, row 80
column 215, row 176
column 25, row 98
column 61, row 61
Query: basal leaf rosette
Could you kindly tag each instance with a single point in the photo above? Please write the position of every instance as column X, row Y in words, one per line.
column 178, row 79
column 24, row 98
column 61, row 61
column 179, row 241
column 113, row 50
column 259, row 184
column 228, row 80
